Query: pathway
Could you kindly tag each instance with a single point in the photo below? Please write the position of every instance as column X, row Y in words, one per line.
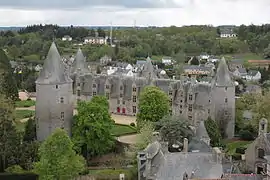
column 128, row 139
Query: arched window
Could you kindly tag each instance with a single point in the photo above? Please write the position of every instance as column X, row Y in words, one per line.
column 261, row 153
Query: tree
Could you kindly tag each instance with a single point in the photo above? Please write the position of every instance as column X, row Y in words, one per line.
column 213, row 132
column 30, row 131
column 92, row 129
column 58, row 160
column 101, row 100
column 153, row 105
column 8, row 85
column 174, row 129
column 266, row 52
column 9, row 138
column 146, row 135
column 13, row 52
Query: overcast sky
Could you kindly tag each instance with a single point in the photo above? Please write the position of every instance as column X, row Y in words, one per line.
column 126, row 12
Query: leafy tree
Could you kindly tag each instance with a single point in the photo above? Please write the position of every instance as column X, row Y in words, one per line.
column 30, row 131
column 153, row 105
column 213, row 132
column 248, row 133
column 174, row 129
column 8, row 85
column 58, row 160
column 13, row 52
column 266, row 52
column 9, row 138
column 102, row 100
column 28, row 152
column 92, row 129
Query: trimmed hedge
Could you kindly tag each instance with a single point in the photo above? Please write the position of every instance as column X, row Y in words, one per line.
column 25, row 176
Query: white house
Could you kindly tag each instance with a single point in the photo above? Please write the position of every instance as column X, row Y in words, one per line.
column 129, row 67
column 227, row 33
column 253, row 75
column 95, row 40
column 240, row 72
column 66, row 38
column 167, row 60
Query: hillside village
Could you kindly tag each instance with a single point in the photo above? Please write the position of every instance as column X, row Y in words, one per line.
column 205, row 117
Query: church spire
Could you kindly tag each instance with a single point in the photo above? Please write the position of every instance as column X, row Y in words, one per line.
column 223, row 77
column 53, row 71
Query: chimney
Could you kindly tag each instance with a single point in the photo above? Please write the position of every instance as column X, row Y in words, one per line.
column 185, row 148
column 164, row 147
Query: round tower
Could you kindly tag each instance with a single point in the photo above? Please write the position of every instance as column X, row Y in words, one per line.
column 54, row 101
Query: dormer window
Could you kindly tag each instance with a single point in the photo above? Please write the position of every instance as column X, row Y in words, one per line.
column 107, row 86
column 56, row 86
column 190, row 97
column 170, row 93
column 226, row 100
column 226, row 88
column 61, row 100
column 134, row 89
column 94, row 85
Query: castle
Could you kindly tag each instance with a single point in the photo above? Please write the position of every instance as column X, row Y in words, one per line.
column 58, row 87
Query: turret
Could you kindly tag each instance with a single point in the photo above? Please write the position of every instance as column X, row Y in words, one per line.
column 224, row 99
column 54, row 104
column 202, row 134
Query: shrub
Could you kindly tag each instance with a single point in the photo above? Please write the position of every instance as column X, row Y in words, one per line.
column 246, row 135
column 236, row 156
column 240, row 150
column 15, row 169
column 132, row 124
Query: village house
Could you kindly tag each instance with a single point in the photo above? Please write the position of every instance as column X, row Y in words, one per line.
column 95, row 40
column 195, row 70
column 105, row 60
column 235, row 64
column 227, row 31
column 253, row 75
column 66, row 38
column 240, row 72
column 166, row 60
column 260, row 63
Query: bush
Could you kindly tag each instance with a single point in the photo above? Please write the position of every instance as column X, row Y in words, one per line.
column 237, row 157
column 15, row 169
column 132, row 124
column 240, row 150
column 246, row 135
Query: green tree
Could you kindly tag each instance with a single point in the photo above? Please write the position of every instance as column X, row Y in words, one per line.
column 266, row 52
column 9, row 138
column 8, row 85
column 92, row 129
column 174, row 129
column 101, row 100
column 30, row 131
column 213, row 132
column 153, row 105
column 58, row 160
column 13, row 52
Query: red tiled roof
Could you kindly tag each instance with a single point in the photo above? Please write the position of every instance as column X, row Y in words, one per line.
column 265, row 61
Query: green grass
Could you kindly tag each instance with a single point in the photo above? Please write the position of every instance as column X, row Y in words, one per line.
column 231, row 146
column 21, row 114
column 27, row 103
column 20, row 126
column 120, row 130
column 244, row 56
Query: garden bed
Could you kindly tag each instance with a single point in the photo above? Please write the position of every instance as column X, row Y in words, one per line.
column 27, row 103
column 22, row 114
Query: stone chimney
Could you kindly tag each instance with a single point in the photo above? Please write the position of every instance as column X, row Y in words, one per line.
column 185, row 145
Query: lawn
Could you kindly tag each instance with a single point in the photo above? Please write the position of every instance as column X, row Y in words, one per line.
column 111, row 173
column 21, row 114
column 121, row 129
column 244, row 56
column 231, row 146
column 27, row 103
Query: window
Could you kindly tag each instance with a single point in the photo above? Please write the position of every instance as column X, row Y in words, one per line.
column 170, row 112
column 107, row 87
column 134, row 99
column 181, row 94
column 170, row 102
column 62, row 115
column 56, row 86
column 181, row 106
column 78, row 84
column 94, row 93
column 134, row 109
column 226, row 88
column 208, row 111
column 226, row 100
column 225, row 113
column 121, row 88
column 108, row 95
column 190, row 118
column 181, row 100
column 262, row 127
column 261, row 153
column 209, row 100
column 134, row 89
column 190, row 97
column 94, row 85
column 189, row 107
column 170, row 93
column 181, row 112
column 124, row 102
column 78, row 92
column 121, row 95
column 118, row 101
column 61, row 100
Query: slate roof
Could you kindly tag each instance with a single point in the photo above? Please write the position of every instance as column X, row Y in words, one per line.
column 223, row 77
column 79, row 63
column 196, row 144
column 252, row 72
column 242, row 70
column 53, row 71
column 201, row 131
column 176, row 164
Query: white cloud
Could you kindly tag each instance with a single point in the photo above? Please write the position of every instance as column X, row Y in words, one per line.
column 216, row 12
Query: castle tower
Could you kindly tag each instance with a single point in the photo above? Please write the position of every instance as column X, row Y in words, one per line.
column 54, row 106
column 224, row 100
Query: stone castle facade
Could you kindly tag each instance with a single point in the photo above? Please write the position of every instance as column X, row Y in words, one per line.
column 188, row 98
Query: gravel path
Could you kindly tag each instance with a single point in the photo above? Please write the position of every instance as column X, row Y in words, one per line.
column 129, row 139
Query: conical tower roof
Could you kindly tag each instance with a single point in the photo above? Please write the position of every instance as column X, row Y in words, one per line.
column 223, row 77
column 53, row 71
column 201, row 131
column 148, row 69
column 79, row 62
